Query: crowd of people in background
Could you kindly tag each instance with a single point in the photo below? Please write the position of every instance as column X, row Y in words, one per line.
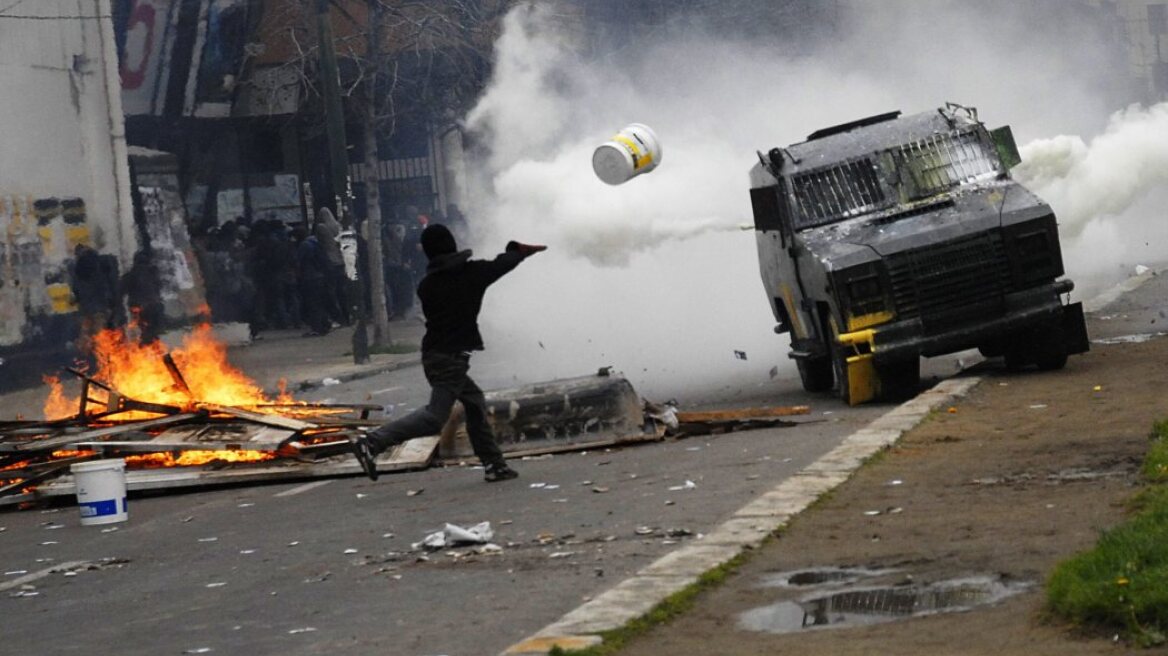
column 276, row 276
column 268, row 274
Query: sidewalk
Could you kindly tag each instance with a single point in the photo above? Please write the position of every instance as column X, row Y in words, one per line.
column 302, row 362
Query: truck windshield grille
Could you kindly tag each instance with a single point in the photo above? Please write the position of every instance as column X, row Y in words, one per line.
column 943, row 161
column 949, row 283
column 837, row 192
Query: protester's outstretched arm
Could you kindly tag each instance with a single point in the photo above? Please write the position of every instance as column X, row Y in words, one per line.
column 526, row 250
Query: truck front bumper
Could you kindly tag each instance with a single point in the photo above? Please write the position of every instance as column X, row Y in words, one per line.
column 1036, row 308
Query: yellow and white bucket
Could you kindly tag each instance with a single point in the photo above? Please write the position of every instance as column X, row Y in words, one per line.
column 631, row 152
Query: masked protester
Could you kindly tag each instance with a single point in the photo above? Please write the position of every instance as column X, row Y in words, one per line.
column 452, row 295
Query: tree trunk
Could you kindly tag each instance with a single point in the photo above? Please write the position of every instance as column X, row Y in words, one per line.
column 381, row 336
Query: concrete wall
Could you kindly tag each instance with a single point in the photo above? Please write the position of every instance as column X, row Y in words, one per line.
column 64, row 177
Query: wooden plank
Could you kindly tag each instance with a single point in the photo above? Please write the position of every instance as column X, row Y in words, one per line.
column 207, row 437
column 55, row 443
column 260, row 417
column 742, row 414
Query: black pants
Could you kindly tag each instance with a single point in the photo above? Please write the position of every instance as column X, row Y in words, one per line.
column 449, row 382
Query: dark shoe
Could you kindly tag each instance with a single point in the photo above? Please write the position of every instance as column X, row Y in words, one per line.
column 363, row 452
column 499, row 472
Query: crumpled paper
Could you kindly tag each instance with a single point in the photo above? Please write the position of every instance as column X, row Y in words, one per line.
column 453, row 535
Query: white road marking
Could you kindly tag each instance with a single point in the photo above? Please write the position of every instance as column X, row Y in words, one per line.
column 301, row 488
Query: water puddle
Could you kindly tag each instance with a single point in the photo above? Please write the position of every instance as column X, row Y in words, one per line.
column 822, row 576
column 873, row 605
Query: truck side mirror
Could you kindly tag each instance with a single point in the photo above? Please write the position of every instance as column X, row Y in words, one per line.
column 1007, row 149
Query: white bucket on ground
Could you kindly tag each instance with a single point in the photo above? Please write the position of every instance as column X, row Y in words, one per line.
column 101, row 490
column 631, row 152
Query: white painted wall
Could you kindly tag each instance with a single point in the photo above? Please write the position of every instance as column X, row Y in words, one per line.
column 61, row 125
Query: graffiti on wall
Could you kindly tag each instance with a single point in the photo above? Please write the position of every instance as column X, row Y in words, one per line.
column 38, row 238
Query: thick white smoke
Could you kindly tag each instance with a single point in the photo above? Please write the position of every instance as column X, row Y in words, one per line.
column 1108, row 191
column 654, row 276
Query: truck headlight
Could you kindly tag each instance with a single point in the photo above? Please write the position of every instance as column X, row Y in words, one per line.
column 865, row 294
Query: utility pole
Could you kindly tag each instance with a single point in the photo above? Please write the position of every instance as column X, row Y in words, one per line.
column 330, row 83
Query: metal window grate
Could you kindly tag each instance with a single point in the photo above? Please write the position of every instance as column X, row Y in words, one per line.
column 943, row 161
column 837, row 192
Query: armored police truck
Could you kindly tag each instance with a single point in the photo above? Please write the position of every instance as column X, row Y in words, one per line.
column 895, row 237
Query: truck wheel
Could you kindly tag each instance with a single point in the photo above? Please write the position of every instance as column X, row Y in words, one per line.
column 900, row 380
column 816, row 373
column 1050, row 354
column 839, row 366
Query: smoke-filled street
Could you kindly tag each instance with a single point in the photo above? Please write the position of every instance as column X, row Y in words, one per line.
column 499, row 326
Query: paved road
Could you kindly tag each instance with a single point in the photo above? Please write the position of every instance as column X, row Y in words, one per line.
column 327, row 566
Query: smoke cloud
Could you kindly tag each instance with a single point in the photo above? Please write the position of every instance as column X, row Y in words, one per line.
column 656, row 276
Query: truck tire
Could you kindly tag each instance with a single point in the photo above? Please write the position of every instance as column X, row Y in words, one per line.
column 839, row 366
column 1050, row 354
column 815, row 373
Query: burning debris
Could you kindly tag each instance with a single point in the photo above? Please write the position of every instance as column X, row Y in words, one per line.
column 187, row 418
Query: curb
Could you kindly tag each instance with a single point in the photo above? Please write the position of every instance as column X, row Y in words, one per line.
column 746, row 529
column 315, row 383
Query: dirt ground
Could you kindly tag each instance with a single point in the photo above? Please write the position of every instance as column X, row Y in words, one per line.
column 1024, row 472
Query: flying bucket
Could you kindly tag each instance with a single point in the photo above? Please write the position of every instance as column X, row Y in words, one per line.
column 101, row 491
column 631, row 152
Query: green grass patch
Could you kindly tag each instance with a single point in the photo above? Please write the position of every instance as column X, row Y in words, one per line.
column 1156, row 462
column 1121, row 585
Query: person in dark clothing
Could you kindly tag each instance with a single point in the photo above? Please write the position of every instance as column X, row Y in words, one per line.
column 452, row 295
column 144, row 296
column 312, row 273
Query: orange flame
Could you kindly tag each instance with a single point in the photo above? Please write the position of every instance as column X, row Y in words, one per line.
column 192, row 458
column 138, row 371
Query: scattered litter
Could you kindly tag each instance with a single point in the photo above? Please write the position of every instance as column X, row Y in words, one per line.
column 198, row 650
column 1038, row 406
column 208, row 539
column 16, row 572
column 350, row 551
column 536, row 486
column 774, row 372
column 689, row 485
column 184, row 520
column 895, row 481
column 328, row 382
column 307, row 629
column 559, row 501
column 600, row 489
column 585, row 482
column 670, row 502
column 49, row 543
column 489, row 549
column 217, row 584
column 361, row 495
column 752, row 477
column 740, row 355
column 24, row 593
column 551, row 487
column 293, row 543
column 693, row 448
column 53, row 527
column 70, row 573
column 644, row 530
column 895, row 511
column 110, row 529
column 451, row 535
column 247, row 552
column 246, row 505
column 871, row 513
column 562, row 554
column 952, row 410
column 388, row 535
column 414, row 493
column 1141, row 269
column 1098, row 388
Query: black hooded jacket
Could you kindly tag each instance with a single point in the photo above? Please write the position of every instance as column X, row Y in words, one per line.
column 452, row 295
